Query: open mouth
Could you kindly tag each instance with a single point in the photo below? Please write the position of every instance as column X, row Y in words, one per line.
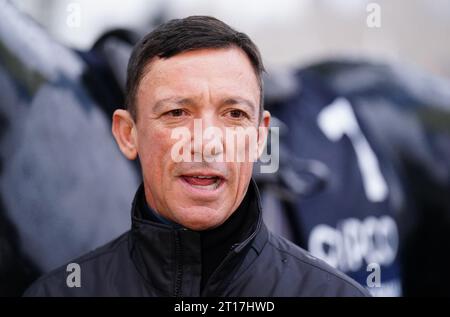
column 205, row 182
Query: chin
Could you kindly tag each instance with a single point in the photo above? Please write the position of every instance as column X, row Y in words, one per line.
column 202, row 218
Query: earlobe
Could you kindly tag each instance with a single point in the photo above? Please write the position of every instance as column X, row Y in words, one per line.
column 124, row 131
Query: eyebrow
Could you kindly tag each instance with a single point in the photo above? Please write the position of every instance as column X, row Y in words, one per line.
column 188, row 101
column 176, row 100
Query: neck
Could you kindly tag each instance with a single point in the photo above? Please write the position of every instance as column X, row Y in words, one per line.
column 153, row 215
column 215, row 243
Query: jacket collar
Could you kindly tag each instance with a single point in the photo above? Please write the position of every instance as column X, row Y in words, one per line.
column 169, row 258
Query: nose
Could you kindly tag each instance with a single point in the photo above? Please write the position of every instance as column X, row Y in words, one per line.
column 207, row 139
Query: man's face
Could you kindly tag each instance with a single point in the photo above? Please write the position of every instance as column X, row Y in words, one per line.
column 218, row 87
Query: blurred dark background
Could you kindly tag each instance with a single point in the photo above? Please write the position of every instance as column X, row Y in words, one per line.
column 359, row 90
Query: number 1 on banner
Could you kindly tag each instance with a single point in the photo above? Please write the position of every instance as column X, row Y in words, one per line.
column 338, row 119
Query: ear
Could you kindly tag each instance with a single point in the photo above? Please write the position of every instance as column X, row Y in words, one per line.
column 263, row 132
column 124, row 131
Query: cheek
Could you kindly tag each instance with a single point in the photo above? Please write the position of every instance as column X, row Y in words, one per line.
column 245, row 172
column 154, row 147
column 241, row 174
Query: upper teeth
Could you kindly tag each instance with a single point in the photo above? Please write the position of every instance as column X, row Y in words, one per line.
column 204, row 176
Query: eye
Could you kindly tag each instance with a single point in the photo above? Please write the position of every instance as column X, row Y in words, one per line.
column 237, row 114
column 176, row 113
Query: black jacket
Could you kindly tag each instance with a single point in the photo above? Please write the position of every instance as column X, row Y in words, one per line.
column 154, row 259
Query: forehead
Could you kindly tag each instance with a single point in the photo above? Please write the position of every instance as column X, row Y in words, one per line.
column 213, row 71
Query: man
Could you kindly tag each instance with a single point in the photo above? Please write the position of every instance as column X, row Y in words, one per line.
column 196, row 222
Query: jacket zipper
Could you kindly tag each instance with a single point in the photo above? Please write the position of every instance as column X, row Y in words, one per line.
column 179, row 268
column 231, row 253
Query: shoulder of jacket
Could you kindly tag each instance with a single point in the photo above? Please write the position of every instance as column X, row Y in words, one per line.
column 40, row 286
column 313, row 264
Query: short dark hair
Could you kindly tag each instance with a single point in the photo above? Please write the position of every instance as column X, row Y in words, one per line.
column 182, row 35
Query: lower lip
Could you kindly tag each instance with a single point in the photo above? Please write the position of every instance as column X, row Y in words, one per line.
column 207, row 191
